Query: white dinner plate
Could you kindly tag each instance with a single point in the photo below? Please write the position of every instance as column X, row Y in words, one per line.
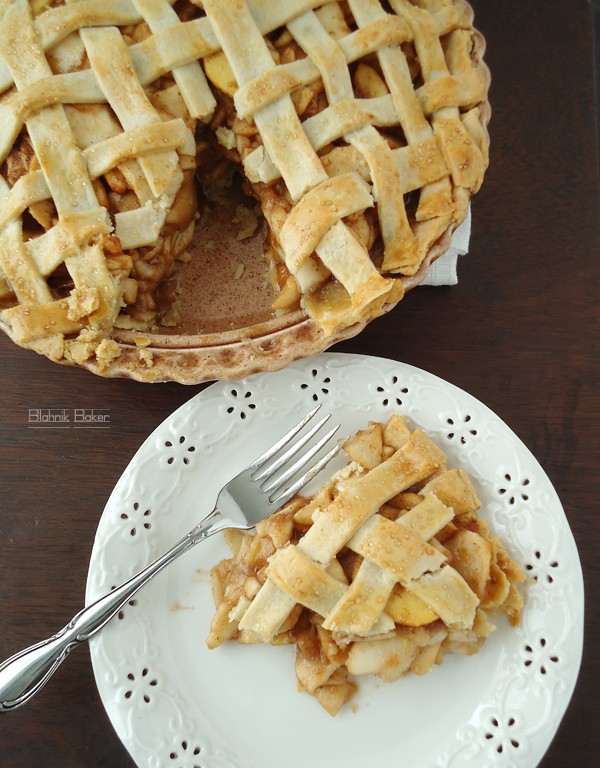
column 175, row 704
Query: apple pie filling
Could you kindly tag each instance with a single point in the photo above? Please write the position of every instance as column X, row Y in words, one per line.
column 387, row 569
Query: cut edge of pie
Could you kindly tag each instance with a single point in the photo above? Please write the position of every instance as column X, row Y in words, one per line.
column 360, row 128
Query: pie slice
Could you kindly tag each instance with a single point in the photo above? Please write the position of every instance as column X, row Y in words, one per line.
column 359, row 128
column 378, row 574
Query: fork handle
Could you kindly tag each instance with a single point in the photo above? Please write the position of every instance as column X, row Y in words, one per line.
column 25, row 673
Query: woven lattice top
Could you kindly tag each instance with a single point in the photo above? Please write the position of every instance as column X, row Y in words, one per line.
column 384, row 570
column 360, row 126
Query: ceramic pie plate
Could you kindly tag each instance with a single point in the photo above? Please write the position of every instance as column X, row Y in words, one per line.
column 175, row 704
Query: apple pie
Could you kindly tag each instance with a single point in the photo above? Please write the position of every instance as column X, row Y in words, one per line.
column 358, row 127
column 384, row 571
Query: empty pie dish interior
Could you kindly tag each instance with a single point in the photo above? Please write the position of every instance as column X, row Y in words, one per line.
column 197, row 190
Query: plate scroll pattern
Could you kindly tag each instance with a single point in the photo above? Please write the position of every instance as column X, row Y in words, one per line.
column 162, row 723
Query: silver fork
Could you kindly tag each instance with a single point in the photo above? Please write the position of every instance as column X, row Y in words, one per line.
column 254, row 494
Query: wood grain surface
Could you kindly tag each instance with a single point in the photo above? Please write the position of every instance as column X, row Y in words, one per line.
column 519, row 332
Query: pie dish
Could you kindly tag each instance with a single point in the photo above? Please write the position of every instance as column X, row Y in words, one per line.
column 355, row 136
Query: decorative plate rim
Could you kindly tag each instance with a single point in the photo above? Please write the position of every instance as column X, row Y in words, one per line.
column 152, row 669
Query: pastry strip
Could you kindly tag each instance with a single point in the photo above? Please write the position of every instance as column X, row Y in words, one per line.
column 427, row 518
column 449, row 595
column 189, row 77
column 454, row 488
column 362, row 498
column 109, row 60
column 18, row 266
column 363, row 602
column 318, row 211
column 395, row 549
column 305, row 581
column 268, row 610
column 372, row 585
column 383, row 31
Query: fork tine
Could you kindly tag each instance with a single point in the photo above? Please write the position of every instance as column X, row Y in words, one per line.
column 299, row 464
column 257, row 463
column 306, row 478
column 290, row 453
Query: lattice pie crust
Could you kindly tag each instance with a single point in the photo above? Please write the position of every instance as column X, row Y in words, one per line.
column 385, row 570
column 360, row 127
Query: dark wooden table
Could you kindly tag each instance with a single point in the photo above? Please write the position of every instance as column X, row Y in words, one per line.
column 519, row 332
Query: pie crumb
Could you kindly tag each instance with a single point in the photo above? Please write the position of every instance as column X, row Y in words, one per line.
column 248, row 221
column 172, row 318
column 107, row 351
column 146, row 357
